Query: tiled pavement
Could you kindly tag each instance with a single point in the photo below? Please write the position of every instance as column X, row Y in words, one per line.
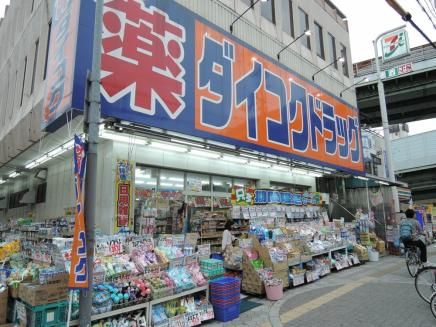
column 376, row 294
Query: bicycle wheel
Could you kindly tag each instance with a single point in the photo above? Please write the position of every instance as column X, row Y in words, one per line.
column 433, row 304
column 425, row 283
column 412, row 262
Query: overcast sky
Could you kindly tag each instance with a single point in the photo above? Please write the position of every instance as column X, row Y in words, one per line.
column 369, row 18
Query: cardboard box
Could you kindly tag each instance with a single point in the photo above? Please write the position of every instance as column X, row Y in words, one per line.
column 36, row 294
column 3, row 306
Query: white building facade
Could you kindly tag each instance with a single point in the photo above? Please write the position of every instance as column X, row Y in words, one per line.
column 25, row 33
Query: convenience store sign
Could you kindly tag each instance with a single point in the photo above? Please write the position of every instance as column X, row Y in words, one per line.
column 166, row 67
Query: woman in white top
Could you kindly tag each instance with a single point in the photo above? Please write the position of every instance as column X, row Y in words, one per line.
column 228, row 237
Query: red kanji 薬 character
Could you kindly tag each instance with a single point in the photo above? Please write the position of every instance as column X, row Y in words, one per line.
column 142, row 55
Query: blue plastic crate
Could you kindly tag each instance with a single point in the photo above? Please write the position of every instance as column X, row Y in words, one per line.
column 224, row 302
column 217, row 256
column 227, row 313
column 225, row 283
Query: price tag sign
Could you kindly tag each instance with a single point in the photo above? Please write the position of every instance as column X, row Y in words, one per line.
column 178, row 262
column 207, row 313
column 203, row 250
column 165, row 240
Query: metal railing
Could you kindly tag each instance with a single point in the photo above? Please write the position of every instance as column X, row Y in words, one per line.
column 416, row 55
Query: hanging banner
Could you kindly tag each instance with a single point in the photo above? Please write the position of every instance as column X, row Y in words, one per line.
column 79, row 262
column 124, row 196
column 166, row 67
column 61, row 63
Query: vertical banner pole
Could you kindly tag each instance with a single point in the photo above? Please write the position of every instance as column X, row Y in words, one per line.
column 92, row 126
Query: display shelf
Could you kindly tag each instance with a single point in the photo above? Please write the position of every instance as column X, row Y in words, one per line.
column 311, row 256
column 178, row 295
column 113, row 313
column 146, row 305
column 172, row 297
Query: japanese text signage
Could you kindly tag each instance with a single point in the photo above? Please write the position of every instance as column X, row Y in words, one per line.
column 166, row 67
column 124, row 196
column 79, row 261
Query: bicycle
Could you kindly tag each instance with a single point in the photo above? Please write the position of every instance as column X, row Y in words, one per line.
column 433, row 304
column 425, row 283
column 413, row 259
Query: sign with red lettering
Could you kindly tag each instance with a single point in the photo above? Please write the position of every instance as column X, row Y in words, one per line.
column 124, row 196
column 166, row 67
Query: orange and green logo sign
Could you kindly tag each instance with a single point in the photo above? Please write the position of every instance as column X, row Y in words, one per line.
column 395, row 45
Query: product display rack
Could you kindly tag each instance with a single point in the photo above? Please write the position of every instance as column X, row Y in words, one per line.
column 147, row 306
column 306, row 258
column 109, row 314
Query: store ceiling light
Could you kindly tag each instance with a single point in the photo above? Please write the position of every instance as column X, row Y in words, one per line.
column 2, row 181
column 168, row 147
column 179, row 185
column 314, row 174
column 259, row 164
column 299, row 171
column 281, row 168
column 166, row 184
column 50, row 155
column 234, row 159
column 223, row 145
column 198, row 145
column 122, row 138
column 139, row 182
column 205, row 154
column 140, row 175
column 382, row 183
column 151, row 183
column 250, row 156
column 362, row 178
column 176, row 179
column 14, row 174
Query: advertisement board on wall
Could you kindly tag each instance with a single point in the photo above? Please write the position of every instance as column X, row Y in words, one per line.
column 166, row 67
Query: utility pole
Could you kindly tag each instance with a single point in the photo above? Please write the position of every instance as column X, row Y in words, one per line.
column 407, row 17
column 92, row 120
column 383, row 110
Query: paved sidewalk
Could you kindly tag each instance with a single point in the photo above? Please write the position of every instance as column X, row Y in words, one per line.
column 371, row 295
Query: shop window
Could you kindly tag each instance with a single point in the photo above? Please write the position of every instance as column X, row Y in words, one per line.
column 222, row 184
column 319, row 41
column 198, row 183
column 15, row 198
column 24, row 81
column 285, row 187
column 239, row 182
column 41, row 191
column 304, row 26
column 171, row 180
column 345, row 63
column 146, row 178
column 47, row 48
column 287, row 17
column 267, row 10
column 332, row 50
column 35, row 63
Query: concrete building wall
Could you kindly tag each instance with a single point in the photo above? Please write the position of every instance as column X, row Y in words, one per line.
column 25, row 26
column 421, row 148
column 23, row 33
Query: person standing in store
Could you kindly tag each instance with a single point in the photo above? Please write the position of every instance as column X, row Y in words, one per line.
column 228, row 237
